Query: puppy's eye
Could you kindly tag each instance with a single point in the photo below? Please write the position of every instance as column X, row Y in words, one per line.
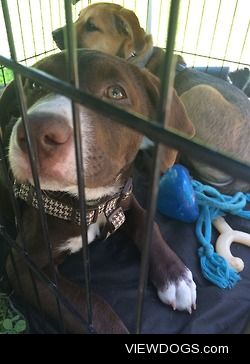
column 35, row 86
column 91, row 27
column 116, row 93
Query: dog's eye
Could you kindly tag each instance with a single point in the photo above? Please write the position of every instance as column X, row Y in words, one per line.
column 116, row 93
column 91, row 27
column 35, row 86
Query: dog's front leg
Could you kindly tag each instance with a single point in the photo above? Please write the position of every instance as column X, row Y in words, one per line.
column 105, row 320
column 173, row 280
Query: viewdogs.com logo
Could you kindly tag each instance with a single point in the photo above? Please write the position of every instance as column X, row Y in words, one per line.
column 175, row 349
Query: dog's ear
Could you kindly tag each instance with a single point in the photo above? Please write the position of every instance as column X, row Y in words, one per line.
column 128, row 24
column 152, row 86
column 178, row 118
column 8, row 106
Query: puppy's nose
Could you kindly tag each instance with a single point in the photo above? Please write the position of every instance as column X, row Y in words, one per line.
column 50, row 133
column 58, row 37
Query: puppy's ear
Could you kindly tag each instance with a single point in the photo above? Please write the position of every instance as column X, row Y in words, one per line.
column 128, row 24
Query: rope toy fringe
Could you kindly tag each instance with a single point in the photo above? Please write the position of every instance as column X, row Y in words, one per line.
column 213, row 204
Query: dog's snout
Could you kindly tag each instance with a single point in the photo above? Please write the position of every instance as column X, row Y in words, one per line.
column 58, row 37
column 49, row 133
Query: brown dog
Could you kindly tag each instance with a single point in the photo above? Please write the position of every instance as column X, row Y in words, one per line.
column 108, row 151
column 219, row 111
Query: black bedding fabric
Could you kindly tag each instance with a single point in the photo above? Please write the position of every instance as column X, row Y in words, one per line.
column 115, row 267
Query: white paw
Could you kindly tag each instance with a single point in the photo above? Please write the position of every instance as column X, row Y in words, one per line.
column 181, row 295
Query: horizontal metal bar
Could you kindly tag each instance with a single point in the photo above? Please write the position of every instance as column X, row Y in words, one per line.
column 35, row 55
column 151, row 129
column 215, row 58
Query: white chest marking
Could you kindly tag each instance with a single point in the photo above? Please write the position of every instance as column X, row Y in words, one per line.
column 74, row 244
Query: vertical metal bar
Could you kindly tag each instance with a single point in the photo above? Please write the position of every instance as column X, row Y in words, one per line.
column 159, row 23
column 73, row 78
column 27, row 311
column 41, row 12
column 164, row 112
column 244, row 43
column 59, row 12
column 31, row 149
column 32, row 28
column 214, row 32
column 134, row 6
column 21, row 29
column 51, row 19
column 17, row 213
column 229, row 35
column 185, row 28
column 3, row 75
column 199, row 31
column 149, row 17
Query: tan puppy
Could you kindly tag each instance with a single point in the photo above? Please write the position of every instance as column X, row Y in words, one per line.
column 112, row 29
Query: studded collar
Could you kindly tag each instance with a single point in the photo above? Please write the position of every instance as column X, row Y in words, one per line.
column 112, row 207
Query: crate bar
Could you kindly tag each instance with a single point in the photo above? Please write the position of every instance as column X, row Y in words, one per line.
column 213, row 36
column 230, row 33
column 167, row 75
column 21, row 30
column 74, row 80
column 32, row 27
column 17, row 212
column 42, row 21
column 244, row 43
column 137, row 122
column 199, row 30
column 149, row 16
column 51, row 17
column 44, row 278
column 159, row 23
column 215, row 58
column 2, row 223
column 38, row 55
column 185, row 28
column 19, row 283
column 30, row 147
column 3, row 75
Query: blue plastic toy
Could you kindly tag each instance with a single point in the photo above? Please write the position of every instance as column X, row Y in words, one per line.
column 188, row 200
column 176, row 196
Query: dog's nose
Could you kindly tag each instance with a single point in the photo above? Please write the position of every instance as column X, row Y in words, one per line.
column 50, row 133
column 58, row 37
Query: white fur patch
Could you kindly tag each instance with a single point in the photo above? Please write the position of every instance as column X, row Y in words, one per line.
column 181, row 295
column 74, row 244
column 57, row 105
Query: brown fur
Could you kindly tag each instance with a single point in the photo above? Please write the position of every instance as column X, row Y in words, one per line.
column 220, row 113
column 217, row 111
column 142, row 91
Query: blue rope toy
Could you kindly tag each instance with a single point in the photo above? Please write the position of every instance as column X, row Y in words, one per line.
column 212, row 204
